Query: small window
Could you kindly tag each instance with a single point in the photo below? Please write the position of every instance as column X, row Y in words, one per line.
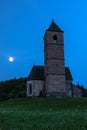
column 30, row 89
column 54, row 39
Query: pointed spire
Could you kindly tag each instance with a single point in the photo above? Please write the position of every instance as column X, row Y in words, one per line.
column 54, row 27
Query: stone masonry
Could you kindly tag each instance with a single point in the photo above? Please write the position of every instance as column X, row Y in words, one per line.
column 54, row 62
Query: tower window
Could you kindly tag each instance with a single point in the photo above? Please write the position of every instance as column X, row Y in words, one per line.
column 54, row 39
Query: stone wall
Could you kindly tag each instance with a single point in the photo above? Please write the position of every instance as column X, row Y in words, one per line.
column 69, row 88
column 55, row 85
column 37, row 87
column 49, row 38
column 54, row 51
column 54, row 64
column 77, row 92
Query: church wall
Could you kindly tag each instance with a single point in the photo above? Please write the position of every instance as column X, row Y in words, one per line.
column 69, row 88
column 37, row 87
column 54, row 51
column 28, row 88
column 49, row 38
column 77, row 92
column 54, row 66
column 54, row 63
column 56, row 84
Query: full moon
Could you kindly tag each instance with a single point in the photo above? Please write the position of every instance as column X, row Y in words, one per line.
column 11, row 59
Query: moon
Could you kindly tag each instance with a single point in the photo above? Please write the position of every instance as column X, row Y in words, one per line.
column 11, row 59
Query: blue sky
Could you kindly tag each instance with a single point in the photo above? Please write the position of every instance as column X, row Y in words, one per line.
column 22, row 27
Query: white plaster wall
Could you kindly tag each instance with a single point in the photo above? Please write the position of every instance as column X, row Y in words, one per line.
column 68, row 88
column 37, row 87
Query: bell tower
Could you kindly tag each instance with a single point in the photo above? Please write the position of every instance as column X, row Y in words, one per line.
column 54, row 62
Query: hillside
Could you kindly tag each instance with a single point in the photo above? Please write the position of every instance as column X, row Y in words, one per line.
column 44, row 114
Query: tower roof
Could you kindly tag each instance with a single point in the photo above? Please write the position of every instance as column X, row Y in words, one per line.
column 54, row 27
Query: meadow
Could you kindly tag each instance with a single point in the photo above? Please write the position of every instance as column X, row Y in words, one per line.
column 44, row 114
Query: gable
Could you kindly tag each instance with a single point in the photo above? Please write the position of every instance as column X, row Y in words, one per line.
column 37, row 73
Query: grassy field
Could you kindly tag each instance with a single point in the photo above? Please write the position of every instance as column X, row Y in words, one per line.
column 44, row 114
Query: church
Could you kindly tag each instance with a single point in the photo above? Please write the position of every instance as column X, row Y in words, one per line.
column 53, row 79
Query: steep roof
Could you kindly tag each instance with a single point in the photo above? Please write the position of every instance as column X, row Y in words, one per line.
column 37, row 73
column 68, row 75
column 54, row 27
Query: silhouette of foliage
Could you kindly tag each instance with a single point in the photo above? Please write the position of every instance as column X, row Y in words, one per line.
column 13, row 88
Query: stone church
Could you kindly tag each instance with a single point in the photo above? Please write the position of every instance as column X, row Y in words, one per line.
column 53, row 79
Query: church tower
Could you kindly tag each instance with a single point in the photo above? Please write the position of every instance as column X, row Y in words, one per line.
column 54, row 68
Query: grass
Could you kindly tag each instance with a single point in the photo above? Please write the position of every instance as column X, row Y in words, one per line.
column 44, row 114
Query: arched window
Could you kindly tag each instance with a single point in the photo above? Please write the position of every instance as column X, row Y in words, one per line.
column 54, row 39
column 30, row 89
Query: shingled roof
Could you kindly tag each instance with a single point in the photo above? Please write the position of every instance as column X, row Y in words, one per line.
column 54, row 27
column 37, row 73
column 68, row 75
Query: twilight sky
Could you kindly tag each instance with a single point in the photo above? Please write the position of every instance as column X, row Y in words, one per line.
column 22, row 27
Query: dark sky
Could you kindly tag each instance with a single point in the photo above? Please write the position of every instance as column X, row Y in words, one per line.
column 22, row 27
